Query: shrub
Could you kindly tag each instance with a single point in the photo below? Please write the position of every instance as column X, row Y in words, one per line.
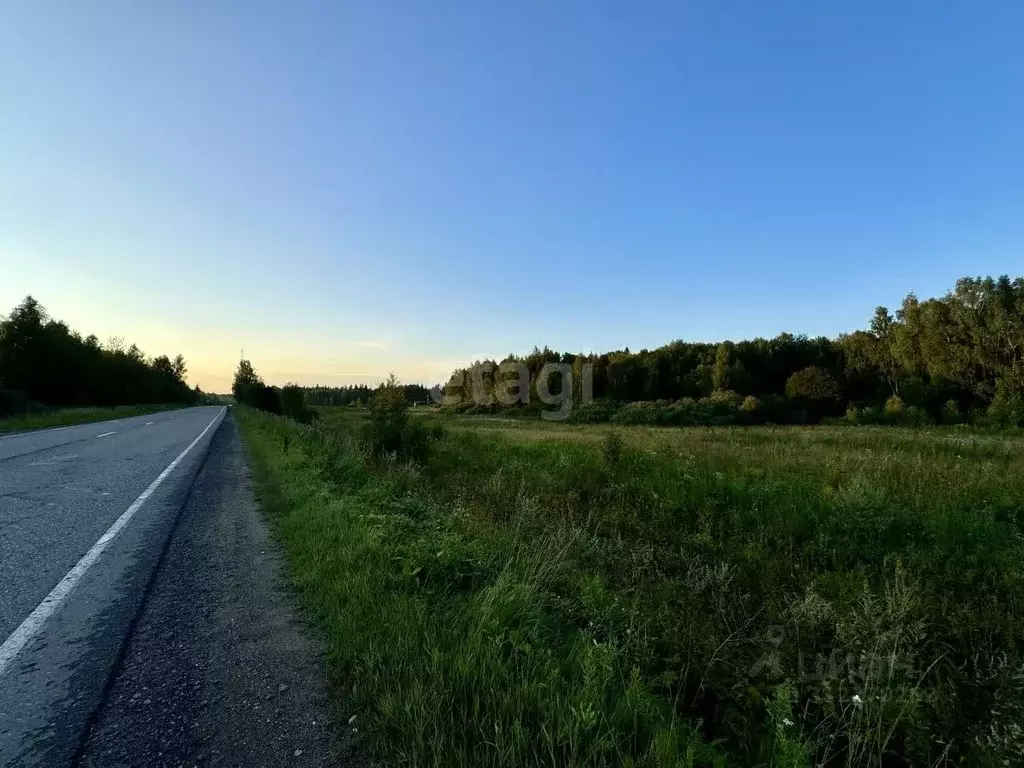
column 813, row 384
column 612, row 449
column 894, row 408
column 293, row 404
column 951, row 413
column 749, row 411
column 915, row 417
column 595, row 412
column 913, row 390
column 650, row 413
column 265, row 398
column 814, row 393
column 722, row 407
column 694, row 414
column 389, row 430
column 871, row 415
column 775, row 408
column 1007, row 408
column 724, row 397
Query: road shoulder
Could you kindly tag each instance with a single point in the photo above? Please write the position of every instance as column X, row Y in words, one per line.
column 219, row 669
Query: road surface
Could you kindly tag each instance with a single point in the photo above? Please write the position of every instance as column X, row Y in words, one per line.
column 142, row 613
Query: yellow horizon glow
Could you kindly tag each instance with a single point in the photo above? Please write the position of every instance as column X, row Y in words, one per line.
column 211, row 350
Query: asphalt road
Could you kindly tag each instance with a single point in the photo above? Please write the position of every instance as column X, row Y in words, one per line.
column 183, row 605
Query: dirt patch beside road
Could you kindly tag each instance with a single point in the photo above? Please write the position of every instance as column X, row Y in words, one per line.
column 219, row 669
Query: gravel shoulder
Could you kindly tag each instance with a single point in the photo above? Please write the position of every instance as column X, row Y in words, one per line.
column 219, row 669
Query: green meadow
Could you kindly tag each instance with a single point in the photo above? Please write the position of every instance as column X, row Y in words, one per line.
column 531, row 593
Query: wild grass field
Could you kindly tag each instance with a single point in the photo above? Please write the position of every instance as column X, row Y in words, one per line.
column 532, row 593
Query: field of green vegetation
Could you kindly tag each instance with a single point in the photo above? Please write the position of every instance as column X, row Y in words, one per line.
column 500, row 592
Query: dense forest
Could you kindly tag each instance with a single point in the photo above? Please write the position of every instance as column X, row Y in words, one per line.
column 951, row 359
column 45, row 364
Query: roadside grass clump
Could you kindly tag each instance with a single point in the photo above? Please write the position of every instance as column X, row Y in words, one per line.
column 792, row 596
column 612, row 449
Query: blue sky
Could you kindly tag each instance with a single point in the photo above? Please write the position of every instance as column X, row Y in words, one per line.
column 343, row 189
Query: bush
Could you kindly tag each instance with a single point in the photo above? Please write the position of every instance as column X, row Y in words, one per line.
column 915, row 416
column 695, row 414
column 853, row 414
column 389, row 431
column 722, row 407
column 863, row 416
column 813, row 384
column 664, row 413
column 651, row 413
column 775, row 409
column 895, row 412
column 1007, row 408
column 951, row 413
column 749, row 411
column 813, row 393
column 389, row 416
column 724, row 397
column 293, row 404
column 265, row 398
column 894, row 408
column 596, row 412
column 871, row 415
column 612, row 449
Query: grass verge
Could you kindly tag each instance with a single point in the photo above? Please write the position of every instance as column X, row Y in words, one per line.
column 71, row 416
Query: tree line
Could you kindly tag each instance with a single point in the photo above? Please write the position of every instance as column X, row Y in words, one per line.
column 295, row 401
column 45, row 364
column 950, row 359
column 360, row 394
column 249, row 389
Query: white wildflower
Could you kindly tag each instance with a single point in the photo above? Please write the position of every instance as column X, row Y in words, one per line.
column 786, row 721
column 857, row 700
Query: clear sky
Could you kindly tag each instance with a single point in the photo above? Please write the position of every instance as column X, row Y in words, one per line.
column 343, row 189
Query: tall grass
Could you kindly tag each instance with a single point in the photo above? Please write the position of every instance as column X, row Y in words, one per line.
column 550, row 594
column 458, row 649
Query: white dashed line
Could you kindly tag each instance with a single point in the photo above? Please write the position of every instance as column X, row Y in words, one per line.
column 54, row 460
column 31, row 626
column 105, row 434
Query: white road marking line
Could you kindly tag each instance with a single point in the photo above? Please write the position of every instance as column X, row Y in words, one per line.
column 34, row 432
column 149, row 423
column 54, row 460
column 31, row 626
column 106, row 434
